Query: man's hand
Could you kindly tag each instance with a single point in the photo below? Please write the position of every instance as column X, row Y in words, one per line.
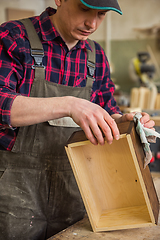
column 94, row 120
column 145, row 119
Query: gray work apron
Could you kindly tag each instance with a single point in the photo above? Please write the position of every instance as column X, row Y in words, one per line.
column 38, row 192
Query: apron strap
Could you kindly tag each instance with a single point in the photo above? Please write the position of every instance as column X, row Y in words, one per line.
column 37, row 51
column 91, row 61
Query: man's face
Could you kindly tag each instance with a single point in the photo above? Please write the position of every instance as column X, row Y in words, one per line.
column 76, row 21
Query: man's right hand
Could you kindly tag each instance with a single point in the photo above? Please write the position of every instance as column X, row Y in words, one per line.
column 94, row 120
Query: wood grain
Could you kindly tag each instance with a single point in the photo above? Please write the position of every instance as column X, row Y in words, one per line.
column 117, row 191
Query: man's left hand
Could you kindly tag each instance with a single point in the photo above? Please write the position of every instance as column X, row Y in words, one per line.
column 145, row 119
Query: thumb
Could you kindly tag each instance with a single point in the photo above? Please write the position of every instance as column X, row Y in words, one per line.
column 128, row 116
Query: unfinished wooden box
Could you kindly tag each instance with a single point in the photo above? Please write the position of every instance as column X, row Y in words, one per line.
column 117, row 191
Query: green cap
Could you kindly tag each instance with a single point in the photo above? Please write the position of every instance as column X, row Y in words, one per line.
column 103, row 5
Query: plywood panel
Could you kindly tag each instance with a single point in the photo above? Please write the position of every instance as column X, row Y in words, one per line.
column 16, row 14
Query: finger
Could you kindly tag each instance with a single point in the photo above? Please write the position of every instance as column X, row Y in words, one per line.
column 149, row 124
column 110, row 129
column 128, row 116
column 145, row 118
column 108, row 134
column 125, row 117
column 98, row 127
column 89, row 134
column 97, row 132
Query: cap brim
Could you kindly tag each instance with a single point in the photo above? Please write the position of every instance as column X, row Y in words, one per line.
column 113, row 6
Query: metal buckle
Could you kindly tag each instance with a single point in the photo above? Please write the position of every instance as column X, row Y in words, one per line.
column 38, row 57
column 91, row 69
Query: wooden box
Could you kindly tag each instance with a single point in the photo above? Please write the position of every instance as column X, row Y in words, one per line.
column 117, row 191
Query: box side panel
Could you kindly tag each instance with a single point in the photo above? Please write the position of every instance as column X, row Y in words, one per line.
column 79, row 136
column 148, row 181
column 112, row 173
column 125, row 127
column 124, row 218
column 84, row 182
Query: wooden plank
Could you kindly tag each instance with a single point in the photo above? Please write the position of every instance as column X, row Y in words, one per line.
column 157, row 103
column 153, row 96
column 144, row 98
column 147, row 178
column 134, row 98
column 15, row 14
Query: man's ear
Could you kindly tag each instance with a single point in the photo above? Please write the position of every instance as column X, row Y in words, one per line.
column 58, row 3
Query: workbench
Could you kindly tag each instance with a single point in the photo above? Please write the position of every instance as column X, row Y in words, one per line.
column 82, row 229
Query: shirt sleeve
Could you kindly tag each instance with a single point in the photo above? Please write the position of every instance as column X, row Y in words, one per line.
column 103, row 87
column 11, row 71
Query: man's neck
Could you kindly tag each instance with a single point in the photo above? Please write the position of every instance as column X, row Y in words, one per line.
column 70, row 43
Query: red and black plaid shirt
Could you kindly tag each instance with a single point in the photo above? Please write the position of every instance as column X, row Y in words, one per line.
column 62, row 66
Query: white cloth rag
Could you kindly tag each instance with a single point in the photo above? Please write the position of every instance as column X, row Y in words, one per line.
column 146, row 135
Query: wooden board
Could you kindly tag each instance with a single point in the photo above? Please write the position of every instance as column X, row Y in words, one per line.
column 157, row 103
column 15, row 14
column 144, row 98
column 117, row 191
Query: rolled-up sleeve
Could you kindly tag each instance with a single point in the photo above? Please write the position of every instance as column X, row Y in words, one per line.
column 10, row 74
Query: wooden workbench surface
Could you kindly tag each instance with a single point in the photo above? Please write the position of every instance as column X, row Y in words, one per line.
column 82, row 229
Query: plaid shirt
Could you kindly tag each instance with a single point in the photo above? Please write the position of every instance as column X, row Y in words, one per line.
column 62, row 66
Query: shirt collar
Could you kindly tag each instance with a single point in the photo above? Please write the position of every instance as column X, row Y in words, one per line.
column 49, row 32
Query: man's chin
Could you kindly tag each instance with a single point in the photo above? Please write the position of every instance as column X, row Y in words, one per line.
column 82, row 38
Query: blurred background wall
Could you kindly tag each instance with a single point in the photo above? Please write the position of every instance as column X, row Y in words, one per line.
column 124, row 36
column 120, row 36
